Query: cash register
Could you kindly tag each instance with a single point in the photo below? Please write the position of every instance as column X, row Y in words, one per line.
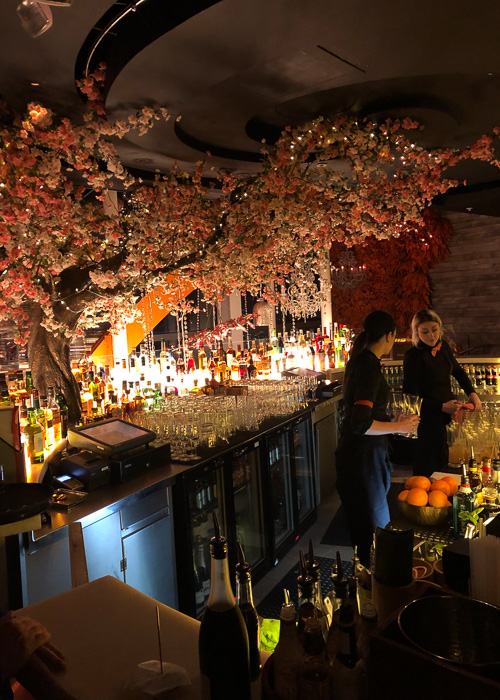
column 111, row 450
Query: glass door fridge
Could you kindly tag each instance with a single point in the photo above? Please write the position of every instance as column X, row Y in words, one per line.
column 245, row 509
column 279, row 502
column 303, row 470
column 197, row 495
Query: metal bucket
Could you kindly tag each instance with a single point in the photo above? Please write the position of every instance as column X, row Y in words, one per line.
column 459, row 630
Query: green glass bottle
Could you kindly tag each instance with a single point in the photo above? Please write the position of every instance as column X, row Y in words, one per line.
column 33, row 437
column 63, row 408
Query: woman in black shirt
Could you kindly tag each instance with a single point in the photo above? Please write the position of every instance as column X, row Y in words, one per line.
column 363, row 468
column 427, row 370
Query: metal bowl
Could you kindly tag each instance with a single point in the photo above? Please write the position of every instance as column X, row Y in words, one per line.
column 425, row 515
column 459, row 630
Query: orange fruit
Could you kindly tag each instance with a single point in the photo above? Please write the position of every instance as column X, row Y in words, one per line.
column 417, row 497
column 421, row 482
column 409, row 482
column 441, row 485
column 438, row 499
column 403, row 495
column 451, row 483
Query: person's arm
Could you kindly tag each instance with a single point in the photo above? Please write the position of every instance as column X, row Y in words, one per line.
column 366, row 385
column 464, row 382
column 27, row 655
column 407, row 424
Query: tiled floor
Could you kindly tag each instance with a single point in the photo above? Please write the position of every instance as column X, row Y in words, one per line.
column 326, row 512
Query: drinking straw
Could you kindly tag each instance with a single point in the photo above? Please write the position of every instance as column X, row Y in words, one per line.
column 159, row 637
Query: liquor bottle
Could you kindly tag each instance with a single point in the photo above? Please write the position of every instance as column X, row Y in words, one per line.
column 251, row 369
column 28, row 382
column 23, row 416
column 131, row 360
column 474, row 476
column 495, row 472
column 488, row 376
column 149, row 395
column 244, row 599
column 202, row 359
column 306, row 609
column 288, row 655
column 479, row 377
column 230, row 351
column 347, row 653
column 39, row 413
column 489, row 486
column 314, row 674
column 242, row 363
column 33, row 438
column 5, row 399
column 93, row 387
column 138, row 398
column 223, row 641
column 344, row 664
column 63, row 408
column 190, row 363
column 339, row 590
column 463, row 500
column 49, row 423
column 77, row 372
column 314, row 571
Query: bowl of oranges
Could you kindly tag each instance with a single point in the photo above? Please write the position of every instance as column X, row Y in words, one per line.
column 427, row 503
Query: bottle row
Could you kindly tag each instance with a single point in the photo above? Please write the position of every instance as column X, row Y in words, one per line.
column 323, row 646
column 479, row 488
column 43, row 420
column 484, row 377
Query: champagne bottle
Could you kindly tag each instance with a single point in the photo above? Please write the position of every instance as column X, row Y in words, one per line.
column 244, row 598
column 223, row 641
column 288, row 655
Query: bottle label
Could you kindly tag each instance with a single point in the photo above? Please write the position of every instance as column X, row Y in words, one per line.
column 38, row 442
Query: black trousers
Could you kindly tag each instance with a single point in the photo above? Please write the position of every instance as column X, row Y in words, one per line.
column 431, row 454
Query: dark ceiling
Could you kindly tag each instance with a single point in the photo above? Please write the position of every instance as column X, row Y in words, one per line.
column 233, row 72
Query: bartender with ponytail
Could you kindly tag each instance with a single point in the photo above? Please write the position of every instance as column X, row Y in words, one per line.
column 363, row 467
column 427, row 370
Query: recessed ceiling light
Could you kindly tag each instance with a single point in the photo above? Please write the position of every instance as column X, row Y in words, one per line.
column 35, row 84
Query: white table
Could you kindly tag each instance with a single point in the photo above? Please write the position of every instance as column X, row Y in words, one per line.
column 105, row 628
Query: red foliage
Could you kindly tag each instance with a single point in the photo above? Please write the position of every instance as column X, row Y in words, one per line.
column 396, row 273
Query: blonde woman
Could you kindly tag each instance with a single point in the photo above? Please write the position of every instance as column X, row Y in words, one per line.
column 427, row 370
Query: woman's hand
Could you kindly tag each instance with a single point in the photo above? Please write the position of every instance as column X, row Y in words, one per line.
column 475, row 401
column 20, row 637
column 406, row 423
column 451, row 406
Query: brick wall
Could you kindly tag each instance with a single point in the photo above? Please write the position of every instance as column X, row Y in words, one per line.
column 466, row 286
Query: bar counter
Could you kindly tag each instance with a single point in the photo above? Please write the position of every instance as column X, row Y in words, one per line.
column 105, row 628
column 145, row 531
column 112, row 497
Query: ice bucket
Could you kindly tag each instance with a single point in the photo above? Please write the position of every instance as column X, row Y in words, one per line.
column 459, row 630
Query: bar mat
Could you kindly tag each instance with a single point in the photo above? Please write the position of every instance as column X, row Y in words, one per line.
column 270, row 606
column 337, row 534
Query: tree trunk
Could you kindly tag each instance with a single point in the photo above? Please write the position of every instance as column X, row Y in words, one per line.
column 48, row 356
